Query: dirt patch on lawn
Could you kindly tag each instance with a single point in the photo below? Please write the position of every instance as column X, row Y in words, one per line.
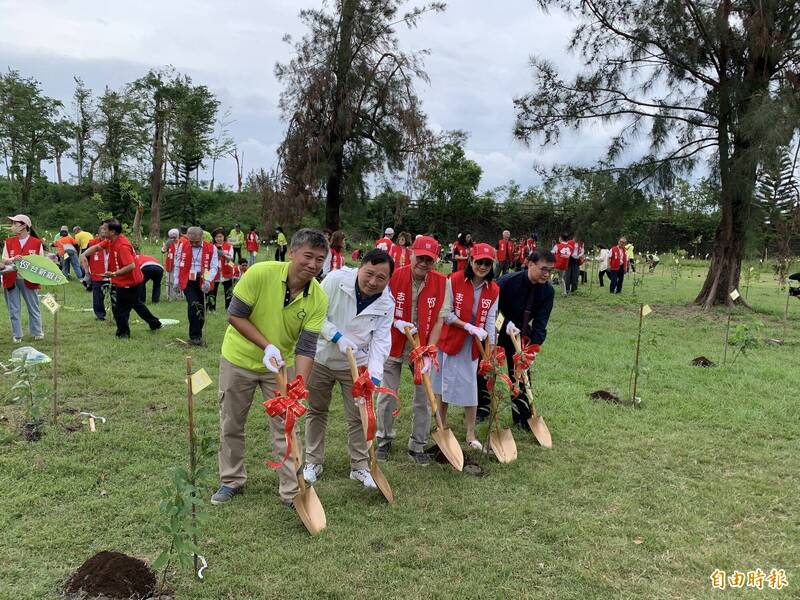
column 112, row 575
column 605, row 395
column 702, row 361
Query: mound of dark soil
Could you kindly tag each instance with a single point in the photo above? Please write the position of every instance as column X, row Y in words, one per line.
column 604, row 395
column 702, row 361
column 33, row 431
column 113, row 575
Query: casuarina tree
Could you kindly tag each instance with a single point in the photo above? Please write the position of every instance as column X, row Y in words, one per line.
column 349, row 99
column 702, row 79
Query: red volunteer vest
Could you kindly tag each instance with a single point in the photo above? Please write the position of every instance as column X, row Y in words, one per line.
column 225, row 267
column 452, row 338
column 32, row 246
column 337, row 262
column 384, row 244
column 525, row 249
column 505, row 250
column 185, row 265
column 563, row 252
column 459, row 250
column 252, row 242
column 429, row 303
column 97, row 261
column 401, row 255
column 169, row 257
column 618, row 259
column 144, row 261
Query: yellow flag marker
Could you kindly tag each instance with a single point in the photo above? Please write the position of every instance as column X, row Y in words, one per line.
column 499, row 322
column 50, row 302
column 200, row 381
column 646, row 310
column 735, row 295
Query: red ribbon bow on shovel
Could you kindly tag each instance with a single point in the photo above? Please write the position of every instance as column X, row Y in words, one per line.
column 417, row 356
column 523, row 360
column 363, row 387
column 491, row 367
column 288, row 407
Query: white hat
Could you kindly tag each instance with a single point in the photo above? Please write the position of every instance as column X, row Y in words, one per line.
column 388, row 231
column 21, row 219
column 173, row 233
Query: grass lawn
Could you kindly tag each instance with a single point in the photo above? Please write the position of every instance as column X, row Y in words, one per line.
column 628, row 504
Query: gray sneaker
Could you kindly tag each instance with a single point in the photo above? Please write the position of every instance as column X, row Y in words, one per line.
column 225, row 494
column 420, row 458
column 382, row 452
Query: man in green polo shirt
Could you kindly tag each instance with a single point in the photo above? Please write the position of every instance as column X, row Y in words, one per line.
column 275, row 317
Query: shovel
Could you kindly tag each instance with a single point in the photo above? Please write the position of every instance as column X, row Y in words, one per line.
column 374, row 469
column 444, row 438
column 501, row 440
column 535, row 422
column 306, row 502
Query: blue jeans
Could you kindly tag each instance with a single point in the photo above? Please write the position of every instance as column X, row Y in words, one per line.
column 617, row 277
column 15, row 308
column 99, row 291
column 72, row 259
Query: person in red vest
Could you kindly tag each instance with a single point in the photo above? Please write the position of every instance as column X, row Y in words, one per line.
column 385, row 243
column 151, row 271
column 461, row 248
column 335, row 259
column 225, row 272
column 617, row 265
column 168, row 250
column 422, row 301
column 196, row 266
column 563, row 251
column 96, row 265
column 126, row 279
column 474, row 310
column 574, row 266
column 525, row 250
column 401, row 250
column 23, row 242
column 251, row 244
column 505, row 254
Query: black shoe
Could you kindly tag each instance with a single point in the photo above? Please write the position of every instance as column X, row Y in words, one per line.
column 420, row 458
column 382, row 452
column 195, row 342
column 156, row 328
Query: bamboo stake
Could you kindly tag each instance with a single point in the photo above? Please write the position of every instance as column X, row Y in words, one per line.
column 636, row 363
column 786, row 316
column 192, row 458
column 55, row 368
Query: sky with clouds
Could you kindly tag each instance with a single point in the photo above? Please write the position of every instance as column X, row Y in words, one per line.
column 478, row 64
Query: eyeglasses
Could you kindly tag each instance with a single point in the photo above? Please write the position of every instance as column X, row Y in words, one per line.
column 544, row 269
column 484, row 263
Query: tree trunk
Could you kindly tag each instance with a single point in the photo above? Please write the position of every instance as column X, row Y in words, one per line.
column 213, row 166
column 156, row 185
column 27, row 184
column 333, row 200
column 137, row 226
column 58, row 168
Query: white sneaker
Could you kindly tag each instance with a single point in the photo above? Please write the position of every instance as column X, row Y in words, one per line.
column 17, row 340
column 311, row 471
column 364, row 477
column 38, row 338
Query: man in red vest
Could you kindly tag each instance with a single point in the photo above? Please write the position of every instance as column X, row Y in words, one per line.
column 151, row 271
column 126, row 279
column 563, row 251
column 168, row 250
column 385, row 243
column 422, row 301
column 96, row 265
column 196, row 266
column 505, row 254
column 617, row 265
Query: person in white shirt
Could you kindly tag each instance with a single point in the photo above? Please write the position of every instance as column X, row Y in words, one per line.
column 359, row 317
column 602, row 259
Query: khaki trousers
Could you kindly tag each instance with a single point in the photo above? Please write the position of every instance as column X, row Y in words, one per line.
column 320, row 386
column 420, row 409
column 236, row 389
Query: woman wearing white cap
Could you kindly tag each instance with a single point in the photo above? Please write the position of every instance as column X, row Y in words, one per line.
column 168, row 249
column 23, row 242
column 474, row 310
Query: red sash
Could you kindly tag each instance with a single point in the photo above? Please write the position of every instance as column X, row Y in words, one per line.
column 185, row 265
column 32, row 246
column 452, row 338
column 429, row 303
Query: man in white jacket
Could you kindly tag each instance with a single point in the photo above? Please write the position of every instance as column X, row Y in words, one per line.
column 360, row 315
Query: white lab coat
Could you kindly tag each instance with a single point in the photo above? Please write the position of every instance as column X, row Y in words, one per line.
column 370, row 330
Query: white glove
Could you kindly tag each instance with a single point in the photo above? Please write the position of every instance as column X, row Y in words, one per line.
column 511, row 329
column 426, row 365
column 271, row 353
column 401, row 325
column 344, row 343
column 206, row 287
column 478, row 332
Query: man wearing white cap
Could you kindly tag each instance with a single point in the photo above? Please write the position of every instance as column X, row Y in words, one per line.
column 385, row 243
column 23, row 242
column 168, row 250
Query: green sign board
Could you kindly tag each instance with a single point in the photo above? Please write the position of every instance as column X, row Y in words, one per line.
column 39, row 269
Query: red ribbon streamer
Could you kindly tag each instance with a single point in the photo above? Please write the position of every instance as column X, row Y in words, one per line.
column 498, row 357
column 522, row 360
column 288, row 407
column 363, row 387
column 417, row 356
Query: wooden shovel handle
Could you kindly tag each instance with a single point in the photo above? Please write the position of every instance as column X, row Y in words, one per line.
column 426, row 382
column 362, row 410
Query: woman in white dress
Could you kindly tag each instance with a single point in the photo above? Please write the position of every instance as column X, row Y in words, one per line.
column 474, row 311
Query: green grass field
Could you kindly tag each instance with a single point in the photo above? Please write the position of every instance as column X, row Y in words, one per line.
column 628, row 504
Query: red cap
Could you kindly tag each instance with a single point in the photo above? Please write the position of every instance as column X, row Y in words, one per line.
column 481, row 250
column 426, row 246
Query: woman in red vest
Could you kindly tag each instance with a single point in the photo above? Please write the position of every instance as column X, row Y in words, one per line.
column 461, row 248
column 563, row 251
column 251, row 243
column 401, row 250
column 23, row 242
column 168, row 250
column 335, row 259
column 224, row 252
column 474, row 305
column 617, row 265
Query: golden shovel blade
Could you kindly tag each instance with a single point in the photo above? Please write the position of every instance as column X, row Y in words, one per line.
column 310, row 511
column 540, row 431
column 379, row 478
column 503, row 445
column 450, row 447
